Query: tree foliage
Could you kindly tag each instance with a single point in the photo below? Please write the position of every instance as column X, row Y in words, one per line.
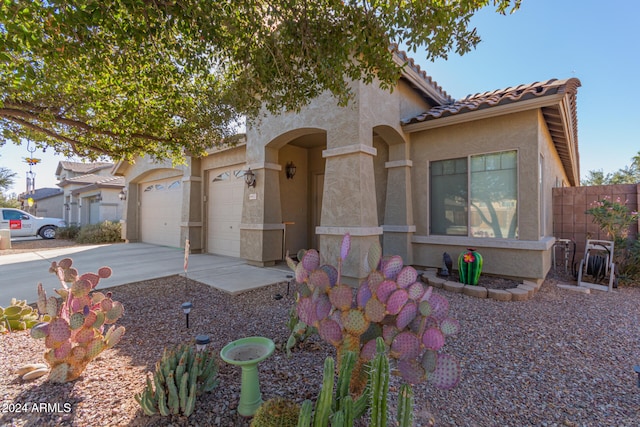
column 627, row 175
column 127, row 77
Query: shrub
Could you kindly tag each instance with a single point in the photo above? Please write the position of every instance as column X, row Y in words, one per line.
column 69, row 233
column 105, row 232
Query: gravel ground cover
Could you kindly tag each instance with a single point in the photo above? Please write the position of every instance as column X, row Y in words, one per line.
column 559, row 359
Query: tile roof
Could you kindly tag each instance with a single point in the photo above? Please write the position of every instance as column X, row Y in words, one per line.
column 498, row 97
column 443, row 97
column 560, row 113
column 84, row 167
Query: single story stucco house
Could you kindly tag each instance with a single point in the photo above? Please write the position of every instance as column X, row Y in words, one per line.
column 413, row 168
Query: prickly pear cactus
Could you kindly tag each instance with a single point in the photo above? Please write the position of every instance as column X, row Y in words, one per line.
column 74, row 333
column 18, row 316
column 181, row 375
column 391, row 303
column 470, row 266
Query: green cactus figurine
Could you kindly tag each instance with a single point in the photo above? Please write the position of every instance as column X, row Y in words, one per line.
column 74, row 330
column 180, row 376
column 470, row 267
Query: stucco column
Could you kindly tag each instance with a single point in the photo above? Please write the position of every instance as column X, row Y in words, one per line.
column 261, row 228
column 349, row 206
column 191, row 217
column 130, row 216
column 398, row 217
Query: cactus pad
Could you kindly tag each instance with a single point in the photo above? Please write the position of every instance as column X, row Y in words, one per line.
column 389, row 332
column 449, row 327
column 310, row 260
column 319, row 279
column 392, row 267
column 92, row 278
column 385, row 289
column 406, row 315
column 116, row 312
column 374, row 279
column 439, row 305
column 425, row 308
column 433, row 339
column 76, row 320
column 405, row 346
column 59, row 330
column 323, row 306
column 416, row 291
column 330, row 331
column 58, row 374
column 429, row 360
column 368, row 350
column 332, row 273
column 411, row 371
column 363, row 296
column 407, row 276
column 374, row 310
column 301, row 273
column 346, row 246
column 40, row 330
column 113, row 336
column 104, row 272
column 341, row 297
column 396, row 301
column 447, row 372
column 354, row 322
column 306, row 310
column 79, row 303
column 374, row 255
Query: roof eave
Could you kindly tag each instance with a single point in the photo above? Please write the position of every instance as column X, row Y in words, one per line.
column 419, row 83
column 566, row 146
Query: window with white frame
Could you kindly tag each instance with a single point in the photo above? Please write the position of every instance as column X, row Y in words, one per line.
column 475, row 196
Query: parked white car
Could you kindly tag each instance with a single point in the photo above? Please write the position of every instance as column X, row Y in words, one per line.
column 23, row 224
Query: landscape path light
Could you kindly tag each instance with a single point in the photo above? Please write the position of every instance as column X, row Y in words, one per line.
column 186, row 308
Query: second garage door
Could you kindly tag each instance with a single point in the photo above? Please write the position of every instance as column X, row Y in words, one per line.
column 224, row 211
column 160, row 212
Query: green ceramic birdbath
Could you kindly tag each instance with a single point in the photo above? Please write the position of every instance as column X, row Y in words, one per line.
column 247, row 353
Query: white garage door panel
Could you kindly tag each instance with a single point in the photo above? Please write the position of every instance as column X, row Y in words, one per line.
column 160, row 212
column 224, row 211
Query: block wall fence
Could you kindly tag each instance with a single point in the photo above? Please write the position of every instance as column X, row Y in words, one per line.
column 570, row 220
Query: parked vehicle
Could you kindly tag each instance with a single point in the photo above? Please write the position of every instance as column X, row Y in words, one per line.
column 23, row 224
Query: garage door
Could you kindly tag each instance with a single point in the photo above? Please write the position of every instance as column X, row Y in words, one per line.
column 160, row 212
column 224, row 211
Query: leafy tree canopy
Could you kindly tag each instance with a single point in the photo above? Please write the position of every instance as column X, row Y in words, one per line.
column 627, row 175
column 161, row 77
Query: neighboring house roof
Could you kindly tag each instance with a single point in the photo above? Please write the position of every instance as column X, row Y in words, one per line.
column 84, row 168
column 419, row 80
column 41, row 193
column 556, row 99
column 115, row 182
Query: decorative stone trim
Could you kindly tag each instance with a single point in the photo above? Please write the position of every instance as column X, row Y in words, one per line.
column 349, row 149
column 354, row 231
column 399, row 228
column 262, row 226
column 523, row 292
column 398, row 164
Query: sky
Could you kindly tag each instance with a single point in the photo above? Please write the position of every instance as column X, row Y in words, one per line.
column 591, row 40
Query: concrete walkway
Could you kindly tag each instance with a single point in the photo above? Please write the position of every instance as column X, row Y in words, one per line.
column 130, row 262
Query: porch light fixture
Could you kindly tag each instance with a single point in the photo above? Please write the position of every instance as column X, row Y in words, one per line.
column 122, row 195
column 186, row 308
column 202, row 341
column 99, row 197
column 66, row 206
column 250, row 178
column 290, row 170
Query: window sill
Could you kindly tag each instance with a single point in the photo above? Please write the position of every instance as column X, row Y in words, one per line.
column 545, row 243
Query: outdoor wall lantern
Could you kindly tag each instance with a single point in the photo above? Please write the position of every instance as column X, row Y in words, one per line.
column 99, row 197
column 66, row 206
column 290, row 170
column 250, row 178
column 122, row 195
column 186, row 308
column 201, row 342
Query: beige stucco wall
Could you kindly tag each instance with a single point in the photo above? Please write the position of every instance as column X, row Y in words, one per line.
column 50, row 206
column 525, row 132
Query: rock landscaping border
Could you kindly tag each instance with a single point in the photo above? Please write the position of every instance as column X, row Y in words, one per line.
column 523, row 292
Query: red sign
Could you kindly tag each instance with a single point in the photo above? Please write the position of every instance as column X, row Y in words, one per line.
column 15, row 224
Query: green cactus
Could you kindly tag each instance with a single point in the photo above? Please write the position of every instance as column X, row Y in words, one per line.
column 390, row 302
column 181, row 375
column 470, row 267
column 73, row 330
column 276, row 412
column 18, row 316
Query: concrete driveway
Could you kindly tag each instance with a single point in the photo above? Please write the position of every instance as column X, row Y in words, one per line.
column 130, row 262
